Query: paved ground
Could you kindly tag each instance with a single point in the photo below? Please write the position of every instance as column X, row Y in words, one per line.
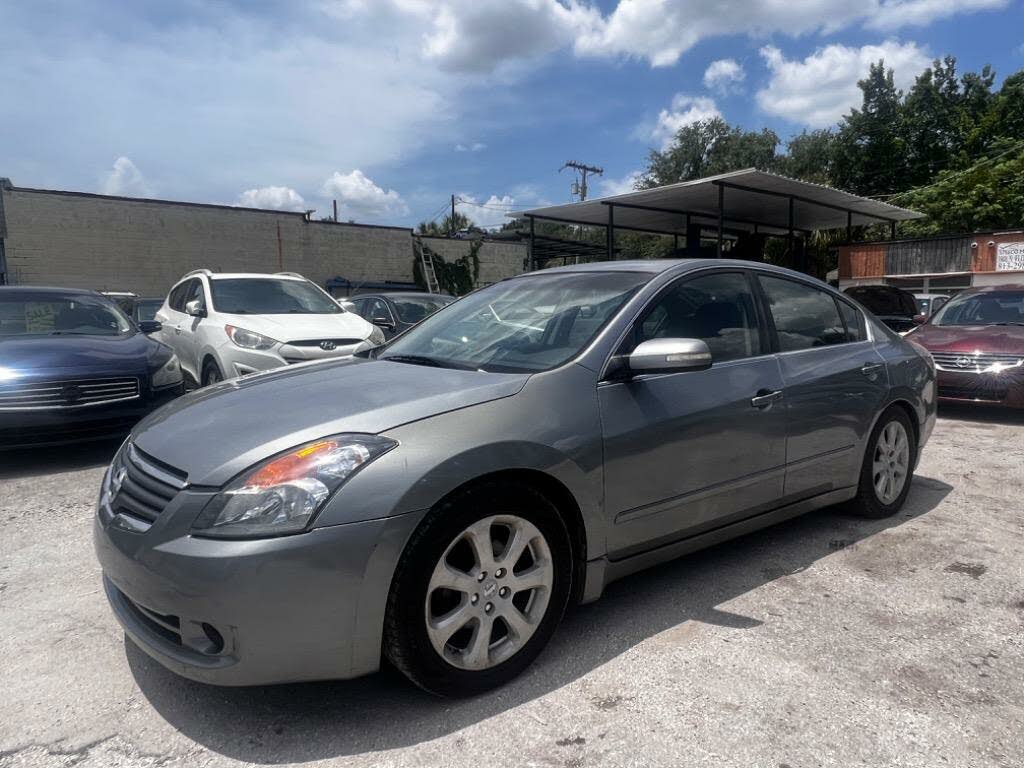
column 824, row 641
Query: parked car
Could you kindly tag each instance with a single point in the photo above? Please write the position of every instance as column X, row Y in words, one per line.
column 977, row 341
column 929, row 303
column 439, row 501
column 145, row 309
column 228, row 325
column 394, row 313
column 74, row 367
column 893, row 306
column 124, row 299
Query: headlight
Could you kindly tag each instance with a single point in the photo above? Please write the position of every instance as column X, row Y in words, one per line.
column 376, row 336
column 283, row 494
column 248, row 339
column 169, row 374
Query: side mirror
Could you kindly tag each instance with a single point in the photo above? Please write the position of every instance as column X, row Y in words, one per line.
column 920, row 319
column 150, row 326
column 195, row 308
column 670, row 356
column 383, row 322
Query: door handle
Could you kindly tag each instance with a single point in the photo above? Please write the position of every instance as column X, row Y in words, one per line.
column 765, row 397
column 871, row 369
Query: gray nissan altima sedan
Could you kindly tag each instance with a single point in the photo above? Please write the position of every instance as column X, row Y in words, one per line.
column 440, row 501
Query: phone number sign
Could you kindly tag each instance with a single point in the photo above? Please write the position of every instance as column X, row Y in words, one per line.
column 1010, row 257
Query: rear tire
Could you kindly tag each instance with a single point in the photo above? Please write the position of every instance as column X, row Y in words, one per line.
column 888, row 468
column 479, row 590
column 211, row 373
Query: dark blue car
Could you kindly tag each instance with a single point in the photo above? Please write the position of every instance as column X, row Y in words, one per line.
column 74, row 367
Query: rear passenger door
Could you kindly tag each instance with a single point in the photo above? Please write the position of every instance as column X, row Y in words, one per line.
column 834, row 383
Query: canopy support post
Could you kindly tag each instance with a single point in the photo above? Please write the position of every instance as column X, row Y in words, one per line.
column 611, row 232
column 849, row 227
column 721, row 218
column 533, row 242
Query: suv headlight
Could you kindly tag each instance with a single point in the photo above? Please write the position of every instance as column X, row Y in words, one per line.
column 248, row 339
column 168, row 374
column 376, row 336
column 283, row 494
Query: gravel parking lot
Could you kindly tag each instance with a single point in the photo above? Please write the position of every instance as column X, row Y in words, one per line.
column 824, row 641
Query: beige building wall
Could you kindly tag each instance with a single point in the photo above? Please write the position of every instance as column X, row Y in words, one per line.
column 110, row 243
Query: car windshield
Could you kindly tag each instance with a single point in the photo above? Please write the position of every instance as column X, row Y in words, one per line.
column 412, row 309
column 261, row 296
column 989, row 308
column 523, row 325
column 45, row 314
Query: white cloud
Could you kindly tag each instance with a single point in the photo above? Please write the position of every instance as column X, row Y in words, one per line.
column 893, row 14
column 818, row 90
column 489, row 214
column 481, row 35
column 359, row 197
column 126, row 180
column 277, row 198
column 683, row 111
column 723, row 75
column 476, row 146
column 609, row 187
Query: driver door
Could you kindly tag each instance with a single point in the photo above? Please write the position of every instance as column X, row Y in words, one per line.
column 690, row 451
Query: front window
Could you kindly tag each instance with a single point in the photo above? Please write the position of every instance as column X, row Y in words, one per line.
column 42, row 314
column 262, row 296
column 524, row 325
column 988, row 308
column 412, row 309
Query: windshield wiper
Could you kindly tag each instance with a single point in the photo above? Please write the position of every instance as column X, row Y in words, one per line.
column 433, row 362
column 1007, row 322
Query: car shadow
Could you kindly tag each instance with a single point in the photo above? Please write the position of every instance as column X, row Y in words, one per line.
column 315, row 721
column 57, row 459
column 983, row 414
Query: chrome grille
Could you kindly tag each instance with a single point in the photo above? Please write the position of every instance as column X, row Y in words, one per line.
column 70, row 393
column 978, row 362
column 141, row 487
column 318, row 342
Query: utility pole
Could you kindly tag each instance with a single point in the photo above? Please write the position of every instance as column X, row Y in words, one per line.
column 451, row 221
column 579, row 187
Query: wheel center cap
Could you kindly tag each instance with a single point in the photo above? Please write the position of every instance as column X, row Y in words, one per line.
column 490, row 587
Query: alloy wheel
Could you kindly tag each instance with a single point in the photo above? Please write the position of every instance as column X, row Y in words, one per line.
column 489, row 592
column 891, row 465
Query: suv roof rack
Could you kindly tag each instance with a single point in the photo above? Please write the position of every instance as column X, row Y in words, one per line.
column 198, row 272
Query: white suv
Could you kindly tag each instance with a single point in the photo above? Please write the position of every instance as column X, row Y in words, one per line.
column 227, row 325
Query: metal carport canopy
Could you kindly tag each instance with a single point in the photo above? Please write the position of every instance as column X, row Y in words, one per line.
column 751, row 200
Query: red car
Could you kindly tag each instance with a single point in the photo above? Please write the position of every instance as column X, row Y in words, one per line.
column 977, row 341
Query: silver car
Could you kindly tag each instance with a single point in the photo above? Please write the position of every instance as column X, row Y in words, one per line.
column 440, row 501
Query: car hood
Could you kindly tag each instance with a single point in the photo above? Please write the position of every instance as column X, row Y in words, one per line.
column 343, row 325
column 968, row 339
column 48, row 356
column 215, row 433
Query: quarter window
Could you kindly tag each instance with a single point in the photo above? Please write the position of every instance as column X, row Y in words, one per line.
column 176, row 300
column 716, row 308
column 852, row 321
column 805, row 317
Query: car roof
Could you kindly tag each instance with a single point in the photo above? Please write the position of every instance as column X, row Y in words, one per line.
column 655, row 267
column 992, row 288
column 253, row 276
column 9, row 289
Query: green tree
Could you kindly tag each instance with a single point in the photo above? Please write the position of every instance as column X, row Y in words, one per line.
column 447, row 226
column 870, row 152
column 708, row 147
column 809, row 157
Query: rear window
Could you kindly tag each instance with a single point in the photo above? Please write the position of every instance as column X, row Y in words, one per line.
column 885, row 301
column 413, row 309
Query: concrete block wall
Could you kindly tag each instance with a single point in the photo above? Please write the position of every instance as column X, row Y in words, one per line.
column 498, row 260
column 93, row 241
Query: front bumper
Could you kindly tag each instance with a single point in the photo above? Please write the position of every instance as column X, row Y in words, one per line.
column 1004, row 389
column 57, row 426
column 303, row 607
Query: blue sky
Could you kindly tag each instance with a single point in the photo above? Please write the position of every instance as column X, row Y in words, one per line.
column 390, row 106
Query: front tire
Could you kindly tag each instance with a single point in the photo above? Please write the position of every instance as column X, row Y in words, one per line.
column 211, row 373
column 888, row 467
column 479, row 590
